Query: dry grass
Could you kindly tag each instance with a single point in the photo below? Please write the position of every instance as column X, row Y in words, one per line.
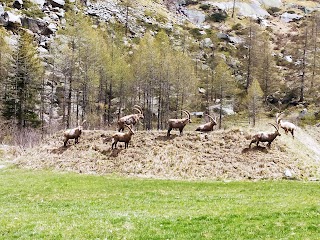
column 218, row 155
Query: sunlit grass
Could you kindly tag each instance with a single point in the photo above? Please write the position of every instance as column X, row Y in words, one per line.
column 38, row 204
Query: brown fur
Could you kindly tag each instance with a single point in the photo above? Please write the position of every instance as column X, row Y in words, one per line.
column 178, row 123
column 122, row 137
column 207, row 127
column 265, row 137
column 130, row 120
column 73, row 133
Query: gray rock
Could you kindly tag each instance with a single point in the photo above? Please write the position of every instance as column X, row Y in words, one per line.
column 223, row 36
column 236, row 40
column 1, row 9
column 35, row 25
column 52, row 27
column 11, row 19
column 195, row 16
column 252, row 9
column 207, row 42
column 271, row 3
column 290, row 17
column 288, row 58
column 288, row 173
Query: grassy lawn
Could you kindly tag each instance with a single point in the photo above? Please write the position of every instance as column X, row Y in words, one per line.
column 47, row 205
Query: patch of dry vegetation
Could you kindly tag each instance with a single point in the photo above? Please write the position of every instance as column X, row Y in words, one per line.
column 218, row 155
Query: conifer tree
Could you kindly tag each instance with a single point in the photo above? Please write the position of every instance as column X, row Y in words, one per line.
column 5, row 54
column 24, row 85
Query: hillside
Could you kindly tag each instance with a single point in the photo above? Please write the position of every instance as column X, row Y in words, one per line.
column 219, row 155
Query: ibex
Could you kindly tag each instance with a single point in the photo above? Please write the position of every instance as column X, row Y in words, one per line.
column 122, row 137
column 178, row 123
column 265, row 137
column 207, row 127
column 131, row 119
column 73, row 133
column 285, row 125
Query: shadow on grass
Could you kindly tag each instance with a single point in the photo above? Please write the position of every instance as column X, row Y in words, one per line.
column 255, row 149
column 60, row 150
column 166, row 138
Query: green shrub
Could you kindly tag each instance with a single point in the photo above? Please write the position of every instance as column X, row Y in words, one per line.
column 273, row 10
column 195, row 32
column 236, row 26
column 191, row 2
column 217, row 17
column 205, row 7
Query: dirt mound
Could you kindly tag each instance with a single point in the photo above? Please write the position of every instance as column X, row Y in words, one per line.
column 217, row 155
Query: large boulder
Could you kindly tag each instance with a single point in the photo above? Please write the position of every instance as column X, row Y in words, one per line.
column 10, row 19
column 35, row 25
column 290, row 17
column 2, row 20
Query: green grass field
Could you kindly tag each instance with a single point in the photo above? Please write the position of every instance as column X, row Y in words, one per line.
column 47, row 205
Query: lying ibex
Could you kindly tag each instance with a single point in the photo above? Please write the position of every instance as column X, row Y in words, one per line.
column 285, row 125
column 73, row 133
column 265, row 137
column 122, row 137
column 178, row 123
column 207, row 127
column 131, row 119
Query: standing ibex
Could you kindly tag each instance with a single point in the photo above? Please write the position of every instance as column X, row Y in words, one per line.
column 207, row 127
column 285, row 125
column 122, row 137
column 73, row 133
column 131, row 119
column 265, row 137
column 179, row 123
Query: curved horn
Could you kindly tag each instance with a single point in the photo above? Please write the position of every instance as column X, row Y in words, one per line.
column 186, row 112
column 189, row 116
column 213, row 120
column 83, row 122
column 274, row 126
column 137, row 106
column 130, row 129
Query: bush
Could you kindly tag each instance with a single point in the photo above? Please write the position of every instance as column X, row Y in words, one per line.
column 205, row 7
column 236, row 27
column 217, row 17
column 273, row 10
column 191, row 2
column 195, row 32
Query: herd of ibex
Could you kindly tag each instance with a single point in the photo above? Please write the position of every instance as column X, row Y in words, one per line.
column 129, row 121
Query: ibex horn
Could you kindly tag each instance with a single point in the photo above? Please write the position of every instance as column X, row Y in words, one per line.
column 128, row 127
column 213, row 120
column 186, row 112
column 137, row 110
column 274, row 126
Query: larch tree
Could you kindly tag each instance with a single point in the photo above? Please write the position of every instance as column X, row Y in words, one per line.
column 266, row 70
column 224, row 84
column 254, row 101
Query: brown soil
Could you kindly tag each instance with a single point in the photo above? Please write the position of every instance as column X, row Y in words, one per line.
column 217, row 155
